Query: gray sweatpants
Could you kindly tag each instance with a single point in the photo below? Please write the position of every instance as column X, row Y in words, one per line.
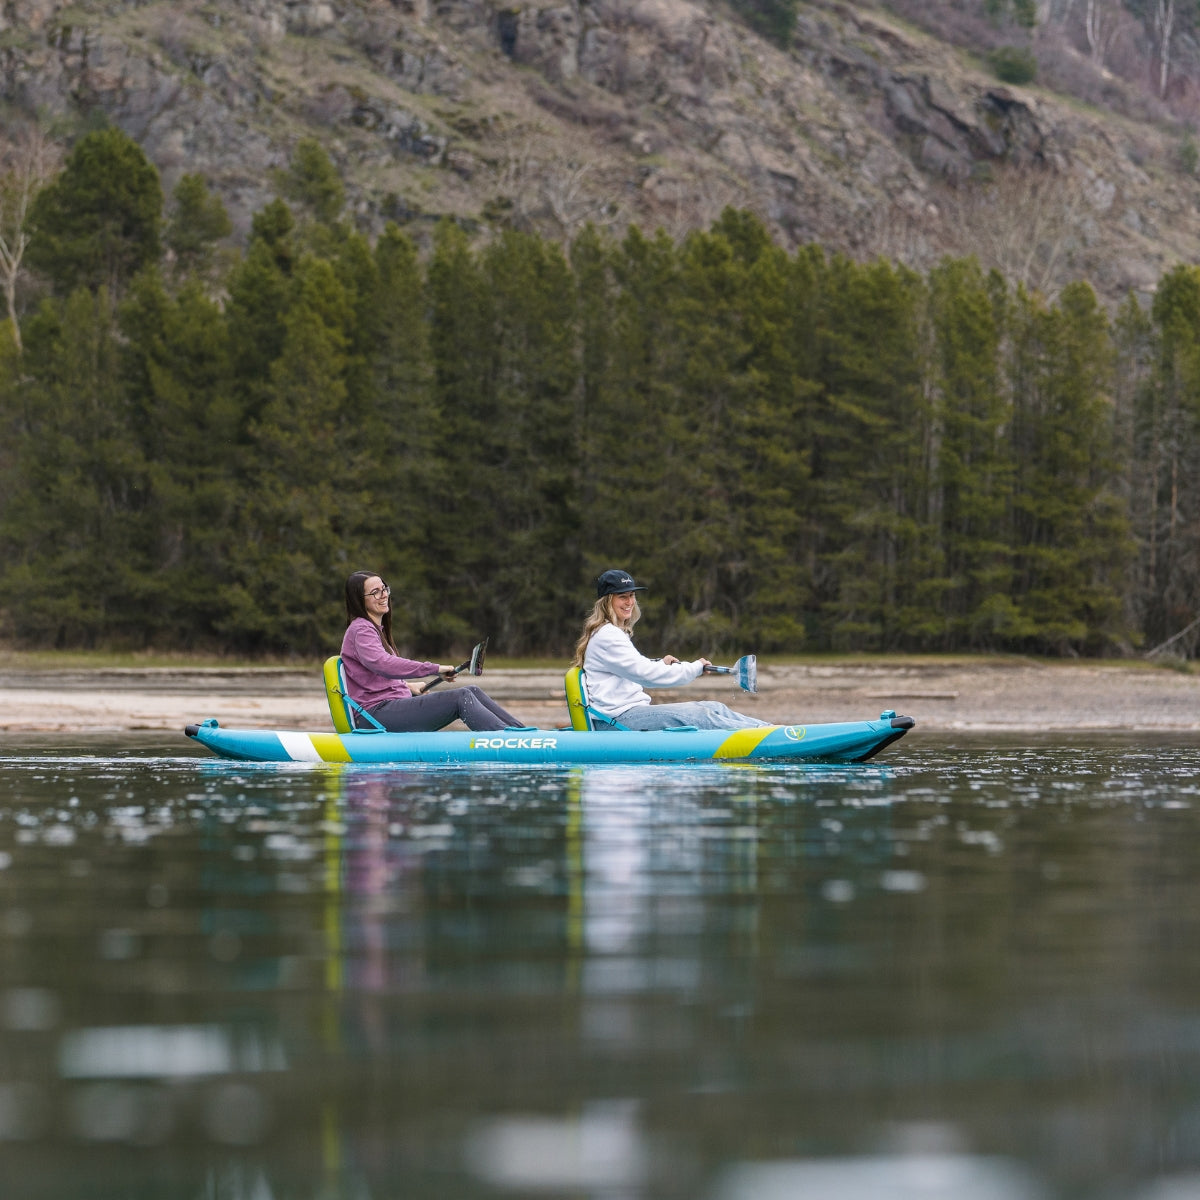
column 471, row 705
column 703, row 714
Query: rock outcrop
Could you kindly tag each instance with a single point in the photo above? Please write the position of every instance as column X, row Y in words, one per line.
column 866, row 136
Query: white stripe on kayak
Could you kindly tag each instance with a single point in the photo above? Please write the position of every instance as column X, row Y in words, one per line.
column 299, row 747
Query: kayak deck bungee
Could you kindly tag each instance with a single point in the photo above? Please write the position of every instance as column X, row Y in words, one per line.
column 845, row 741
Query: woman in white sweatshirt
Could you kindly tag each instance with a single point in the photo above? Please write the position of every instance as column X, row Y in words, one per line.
column 617, row 673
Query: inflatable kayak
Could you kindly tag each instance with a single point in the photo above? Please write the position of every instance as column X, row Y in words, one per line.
column 847, row 741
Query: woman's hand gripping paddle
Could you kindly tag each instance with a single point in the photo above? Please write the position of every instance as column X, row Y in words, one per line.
column 746, row 670
column 473, row 666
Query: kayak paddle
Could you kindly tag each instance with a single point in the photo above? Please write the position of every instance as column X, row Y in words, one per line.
column 473, row 666
column 746, row 670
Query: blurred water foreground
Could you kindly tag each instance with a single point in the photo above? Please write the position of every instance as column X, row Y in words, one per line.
column 966, row 969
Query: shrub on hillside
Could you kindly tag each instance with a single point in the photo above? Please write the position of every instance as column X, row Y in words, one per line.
column 1189, row 155
column 774, row 19
column 1013, row 64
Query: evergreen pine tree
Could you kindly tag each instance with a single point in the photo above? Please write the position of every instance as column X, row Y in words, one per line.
column 735, row 475
column 1168, row 425
column 198, row 221
column 77, row 572
column 191, row 431
column 393, row 437
column 312, row 182
column 971, row 466
column 634, row 439
column 1137, row 442
column 1072, row 538
column 462, row 355
column 532, row 446
column 98, row 223
column 259, row 294
column 869, row 437
column 595, row 295
column 291, row 551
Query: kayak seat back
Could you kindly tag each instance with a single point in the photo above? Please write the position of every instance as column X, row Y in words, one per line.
column 342, row 706
column 578, row 704
column 335, row 693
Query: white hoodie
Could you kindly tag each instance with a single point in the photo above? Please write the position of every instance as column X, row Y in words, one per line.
column 616, row 672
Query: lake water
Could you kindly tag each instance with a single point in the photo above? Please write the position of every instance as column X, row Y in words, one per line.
column 967, row 969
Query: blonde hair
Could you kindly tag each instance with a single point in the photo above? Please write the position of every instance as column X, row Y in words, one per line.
column 602, row 614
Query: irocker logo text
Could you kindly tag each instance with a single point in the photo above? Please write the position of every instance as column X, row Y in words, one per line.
column 514, row 743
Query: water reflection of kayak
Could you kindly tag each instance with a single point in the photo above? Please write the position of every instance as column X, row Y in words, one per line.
column 844, row 741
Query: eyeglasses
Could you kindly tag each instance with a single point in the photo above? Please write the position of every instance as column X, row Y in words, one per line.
column 383, row 591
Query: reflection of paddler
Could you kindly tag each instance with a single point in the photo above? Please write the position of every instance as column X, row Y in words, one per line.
column 333, row 891
column 615, row 861
column 575, row 876
column 381, row 874
column 671, row 890
column 366, row 872
column 331, row 1134
column 376, row 674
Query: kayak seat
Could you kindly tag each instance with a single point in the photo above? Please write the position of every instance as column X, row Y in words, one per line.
column 578, row 705
column 335, row 693
column 341, row 707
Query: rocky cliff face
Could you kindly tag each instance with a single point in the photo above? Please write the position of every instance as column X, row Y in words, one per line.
column 867, row 136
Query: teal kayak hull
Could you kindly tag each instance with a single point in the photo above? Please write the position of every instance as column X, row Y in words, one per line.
column 846, row 741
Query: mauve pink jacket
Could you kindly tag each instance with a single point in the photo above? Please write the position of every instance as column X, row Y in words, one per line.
column 373, row 674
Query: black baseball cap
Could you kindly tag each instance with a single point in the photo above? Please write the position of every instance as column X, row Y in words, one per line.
column 614, row 583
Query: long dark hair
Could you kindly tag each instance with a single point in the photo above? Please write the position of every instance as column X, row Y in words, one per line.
column 356, row 604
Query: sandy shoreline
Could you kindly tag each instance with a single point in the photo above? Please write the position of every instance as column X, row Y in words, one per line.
column 1021, row 695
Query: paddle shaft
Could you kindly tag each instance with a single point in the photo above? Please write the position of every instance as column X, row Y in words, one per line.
column 475, row 661
column 442, row 678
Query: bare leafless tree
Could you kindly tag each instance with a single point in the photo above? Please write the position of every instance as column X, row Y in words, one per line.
column 530, row 172
column 904, row 234
column 575, row 194
column 1164, row 29
column 1103, row 24
column 1022, row 223
column 25, row 165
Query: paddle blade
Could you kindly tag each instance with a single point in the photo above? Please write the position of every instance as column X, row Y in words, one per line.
column 747, row 673
column 746, row 670
column 475, row 666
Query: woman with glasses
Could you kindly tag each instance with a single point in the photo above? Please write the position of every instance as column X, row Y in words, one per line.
column 376, row 674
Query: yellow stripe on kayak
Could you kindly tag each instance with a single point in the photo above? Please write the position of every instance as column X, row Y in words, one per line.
column 330, row 747
column 743, row 743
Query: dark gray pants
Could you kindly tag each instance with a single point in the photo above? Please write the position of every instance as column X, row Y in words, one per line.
column 471, row 705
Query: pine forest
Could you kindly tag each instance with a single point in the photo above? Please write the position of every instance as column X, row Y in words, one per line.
column 795, row 452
